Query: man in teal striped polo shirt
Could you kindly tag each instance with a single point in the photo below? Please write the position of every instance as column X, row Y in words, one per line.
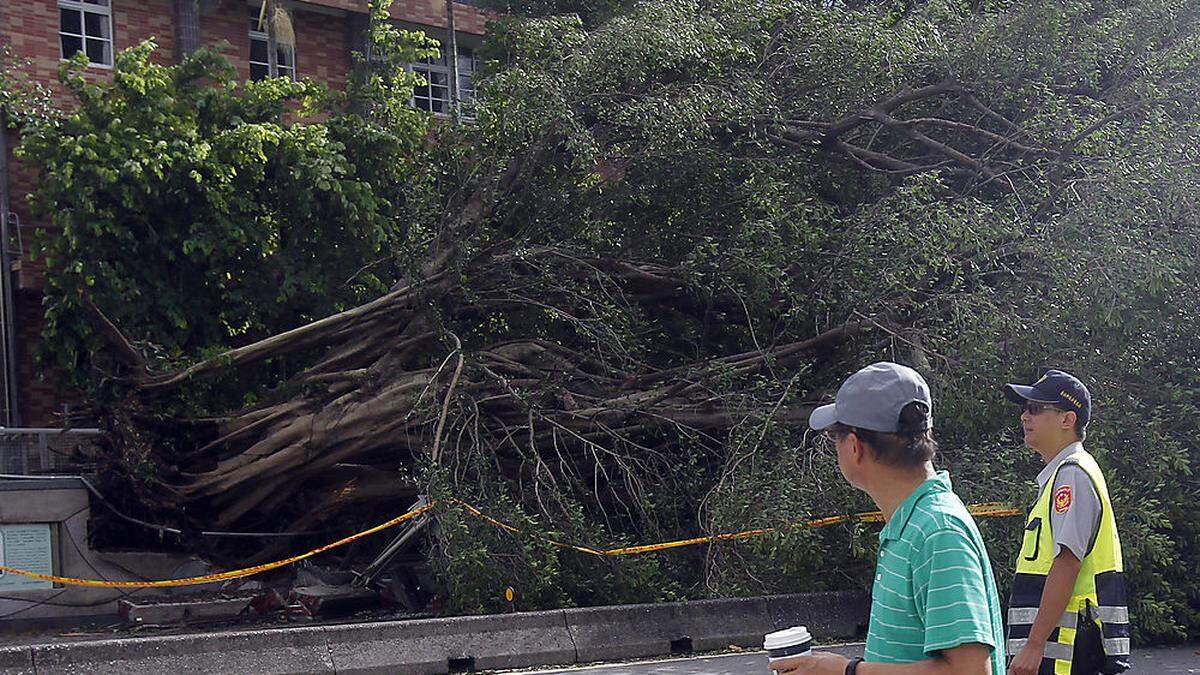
column 934, row 605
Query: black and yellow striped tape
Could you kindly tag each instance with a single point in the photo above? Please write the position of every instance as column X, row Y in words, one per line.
column 220, row 576
column 981, row 510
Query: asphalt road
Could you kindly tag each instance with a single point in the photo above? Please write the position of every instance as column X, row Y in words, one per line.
column 1158, row 661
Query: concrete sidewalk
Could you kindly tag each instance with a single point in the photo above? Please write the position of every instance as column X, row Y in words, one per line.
column 1157, row 660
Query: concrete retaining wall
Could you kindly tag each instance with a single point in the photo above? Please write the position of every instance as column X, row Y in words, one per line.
column 427, row 647
column 436, row 646
column 630, row 631
column 270, row 652
column 64, row 504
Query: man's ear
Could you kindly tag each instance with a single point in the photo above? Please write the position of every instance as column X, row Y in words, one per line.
column 1069, row 420
column 858, row 449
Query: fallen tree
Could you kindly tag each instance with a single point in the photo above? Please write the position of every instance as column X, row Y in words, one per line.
column 605, row 307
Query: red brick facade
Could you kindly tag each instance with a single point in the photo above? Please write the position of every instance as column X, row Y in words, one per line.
column 432, row 13
column 324, row 54
column 30, row 28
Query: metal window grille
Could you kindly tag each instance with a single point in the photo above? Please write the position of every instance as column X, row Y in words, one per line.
column 31, row 451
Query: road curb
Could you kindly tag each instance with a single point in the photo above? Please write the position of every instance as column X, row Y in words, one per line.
column 460, row 644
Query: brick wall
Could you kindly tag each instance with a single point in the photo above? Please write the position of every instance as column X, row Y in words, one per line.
column 227, row 23
column 138, row 20
column 30, row 28
column 21, row 182
column 322, row 47
column 38, row 399
column 467, row 19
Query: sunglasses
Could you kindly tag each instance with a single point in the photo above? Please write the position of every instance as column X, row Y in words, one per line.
column 1034, row 408
column 834, row 434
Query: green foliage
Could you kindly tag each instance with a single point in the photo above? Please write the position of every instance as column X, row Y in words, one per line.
column 20, row 97
column 1084, row 260
column 381, row 85
column 478, row 560
column 199, row 213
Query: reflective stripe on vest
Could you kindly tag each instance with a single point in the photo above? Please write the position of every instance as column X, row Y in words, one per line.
column 1116, row 646
column 1111, row 614
column 1054, row 650
column 1027, row 615
column 1099, row 590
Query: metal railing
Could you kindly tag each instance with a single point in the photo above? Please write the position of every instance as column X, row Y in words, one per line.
column 31, row 451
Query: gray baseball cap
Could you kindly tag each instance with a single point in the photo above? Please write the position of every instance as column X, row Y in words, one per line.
column 873, row 397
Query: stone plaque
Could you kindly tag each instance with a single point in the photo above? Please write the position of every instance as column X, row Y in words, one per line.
column 27, row 547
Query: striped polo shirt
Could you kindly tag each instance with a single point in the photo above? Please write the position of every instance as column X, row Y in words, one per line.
column 933, row 582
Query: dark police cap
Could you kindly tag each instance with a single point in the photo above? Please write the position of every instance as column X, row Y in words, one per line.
column 1058, row 388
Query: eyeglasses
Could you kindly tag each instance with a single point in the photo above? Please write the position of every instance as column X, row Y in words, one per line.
column 1033, row 408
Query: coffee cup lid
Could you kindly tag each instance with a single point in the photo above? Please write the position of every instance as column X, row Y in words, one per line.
column 789, row 637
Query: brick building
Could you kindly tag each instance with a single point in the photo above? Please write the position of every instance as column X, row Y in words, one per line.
column 43, row 32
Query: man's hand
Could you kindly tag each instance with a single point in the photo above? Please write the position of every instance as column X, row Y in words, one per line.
column 966, row 659
column 1027, row 661
column 814, row 663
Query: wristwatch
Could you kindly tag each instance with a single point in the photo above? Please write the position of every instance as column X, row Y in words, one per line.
column 852, row 667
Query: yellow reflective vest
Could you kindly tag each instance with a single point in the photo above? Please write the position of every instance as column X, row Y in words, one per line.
column 1099, row 594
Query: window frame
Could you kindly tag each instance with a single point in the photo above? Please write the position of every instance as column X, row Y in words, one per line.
column 263, row 37
column 85, row 8
column 474, row 61
column 442, row 67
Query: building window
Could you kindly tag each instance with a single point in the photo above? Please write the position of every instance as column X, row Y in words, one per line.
column 434, row 95
column 260, row 50
column 86, row 26
column 468, row 65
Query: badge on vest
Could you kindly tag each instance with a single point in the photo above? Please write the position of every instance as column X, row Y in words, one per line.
column 1062, row 499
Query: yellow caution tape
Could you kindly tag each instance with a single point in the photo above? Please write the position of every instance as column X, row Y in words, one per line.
column 990, row 509
column 984, row 510
column 505, row 526
column 222, row 576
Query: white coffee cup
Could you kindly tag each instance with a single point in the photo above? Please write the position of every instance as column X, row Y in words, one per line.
column 787, row 643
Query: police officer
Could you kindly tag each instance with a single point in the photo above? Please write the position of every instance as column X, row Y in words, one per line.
column 1067, row 611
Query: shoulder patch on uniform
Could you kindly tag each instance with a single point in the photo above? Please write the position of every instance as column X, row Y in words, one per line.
column 1062, row 499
